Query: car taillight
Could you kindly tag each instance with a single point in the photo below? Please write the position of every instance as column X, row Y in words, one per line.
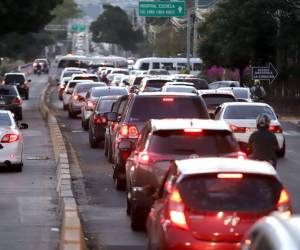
column 275, row 129
column 76, row 97
column 168, row 99
column 236, row 129
column 128, row 131
column 99, row 119
column 283, row 204
column 9, row 138
column 177, row 210
column 90, row 105
column 144, row 158
column 16, row 101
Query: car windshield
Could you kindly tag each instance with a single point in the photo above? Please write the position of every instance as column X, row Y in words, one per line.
column 181, row 89
column 213, row 101
column 198, row 83
column 155, row 83
column 14, row 79
column 203, row 144
column 92, row 78
column 8, row 91
column 247, row 112
column 105, row 105
column 145, row 108
column 251, row 193
column 108, row 92
column 70, row 73
column 5, row 120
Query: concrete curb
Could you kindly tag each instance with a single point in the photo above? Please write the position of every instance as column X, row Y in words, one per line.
column 71, row 234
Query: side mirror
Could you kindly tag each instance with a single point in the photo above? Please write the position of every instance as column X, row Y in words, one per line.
column 212, row 116
column 112, row 117
column 23, row 126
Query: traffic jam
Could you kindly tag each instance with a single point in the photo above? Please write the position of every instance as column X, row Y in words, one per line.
column 196, row 161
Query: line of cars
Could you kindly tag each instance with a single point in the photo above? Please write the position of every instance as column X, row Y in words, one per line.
column 179, row 157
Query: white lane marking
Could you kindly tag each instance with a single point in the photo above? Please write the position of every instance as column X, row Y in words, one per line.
column 78, row 131
column 291, row 133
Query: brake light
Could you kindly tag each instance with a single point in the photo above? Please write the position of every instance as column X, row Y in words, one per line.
column 193, row 130
column 283, row 204
column 16, row 101
column 75, row 97
column 9, row 138
column 275, row 129
column 99, row 119
column 230, row 176
column 168, row 99
column 176, row 210
column 90, row 105
column 128, row 131
column 236, row 129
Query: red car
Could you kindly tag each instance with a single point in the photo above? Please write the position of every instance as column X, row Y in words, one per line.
column 210, row 203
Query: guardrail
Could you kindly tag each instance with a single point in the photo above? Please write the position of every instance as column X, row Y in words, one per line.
column 71, row 233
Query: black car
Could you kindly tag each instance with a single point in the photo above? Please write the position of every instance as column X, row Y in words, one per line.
column 141, row 108
column 98, row 119
column 18, row 80
column 11, row 100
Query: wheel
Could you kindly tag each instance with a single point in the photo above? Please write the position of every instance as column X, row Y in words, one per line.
column 26, row 96
column 71, row 114
column 281, row 152
column 65, row 107
column 128, row 205
column 19, row 167
column 85, row 125
column 120, row 184
column 93, row 142
column 105, row 148
column 109, row 154
column 138, row 220
column 20, row 116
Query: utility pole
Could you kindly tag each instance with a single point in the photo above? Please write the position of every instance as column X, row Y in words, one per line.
column 195, row 30
column 188, row 38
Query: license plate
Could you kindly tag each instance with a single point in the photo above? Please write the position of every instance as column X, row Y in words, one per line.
column 250, row 130
column 2, row 102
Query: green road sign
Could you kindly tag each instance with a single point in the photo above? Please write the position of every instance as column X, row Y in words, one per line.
column 78, row 27
column 162, row 9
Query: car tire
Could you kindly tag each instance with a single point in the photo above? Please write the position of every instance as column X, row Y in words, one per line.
column 120, row 184
column 281, row 152
column 19, row 167
column 65, row 107
column 20, row 116
column 71, row 114
column 128, row 205
column 26, row 96
column 137, row 219
column 85, row 125
column 92, row 141
column 60, row 98
column 105, row 148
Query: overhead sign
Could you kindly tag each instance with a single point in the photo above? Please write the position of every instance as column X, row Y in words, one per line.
column 264, row 73
column 52, row 27
column 78, row 27
column 162, row 9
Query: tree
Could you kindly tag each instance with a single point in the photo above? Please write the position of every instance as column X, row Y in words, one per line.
column 238, row 33
column 113, row 26
column 25, row 16
column 65, row 11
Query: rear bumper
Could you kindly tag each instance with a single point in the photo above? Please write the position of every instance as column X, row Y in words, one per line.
column 99, row 132
column 16, row 110
column 76, row 107
column 11, row 152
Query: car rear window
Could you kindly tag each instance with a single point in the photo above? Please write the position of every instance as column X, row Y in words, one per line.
column 123, row 72
column 137, row 81
column 105, row 105
column 203, row 144
column 250, row 193
column 92, row 78
column 8, row 91
column 160, row 107
column 108, row 92
column 70, row 73
column 241, row 93
column 72, row 84
column 198, row 83
column 212, row 100
column 14, row 79
column 5, row 119
column 86, row 87
column 180, row 89
column 247, row 112
column 155, row 83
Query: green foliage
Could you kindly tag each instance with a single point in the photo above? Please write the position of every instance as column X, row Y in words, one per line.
column 25, row 16
column 113, row 26
column 241, row 33
column 65, row 11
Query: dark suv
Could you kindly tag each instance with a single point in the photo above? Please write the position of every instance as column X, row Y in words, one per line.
column 18, row 80
column 11, row 100
column 141, row 108
column 171, row 139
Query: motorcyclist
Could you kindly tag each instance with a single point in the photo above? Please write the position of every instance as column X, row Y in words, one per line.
column 38, row 67
column 263, row 143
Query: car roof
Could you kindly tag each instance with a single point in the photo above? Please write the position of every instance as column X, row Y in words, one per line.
column 84, row 75
column 234, row 88
column 224, row 165
column 108, row 87
column 215, row 92
column 246, row 104
column 179, row 84
column 159, row 94
column 176, row 86
column 179, row 124
column 14, row 73
column 110, row 97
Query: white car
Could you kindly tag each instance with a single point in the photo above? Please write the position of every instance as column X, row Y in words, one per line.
column 11, row 144
column 68, row 91
column 241, row 117
column 242, row 94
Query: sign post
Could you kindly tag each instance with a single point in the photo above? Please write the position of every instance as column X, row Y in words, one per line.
column 162, row 9
column 264, row 73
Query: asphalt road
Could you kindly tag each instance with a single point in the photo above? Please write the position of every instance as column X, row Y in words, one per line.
column 103, row 208
column 28, row 200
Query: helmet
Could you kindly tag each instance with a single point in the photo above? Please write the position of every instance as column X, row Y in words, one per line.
column 263, row 120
